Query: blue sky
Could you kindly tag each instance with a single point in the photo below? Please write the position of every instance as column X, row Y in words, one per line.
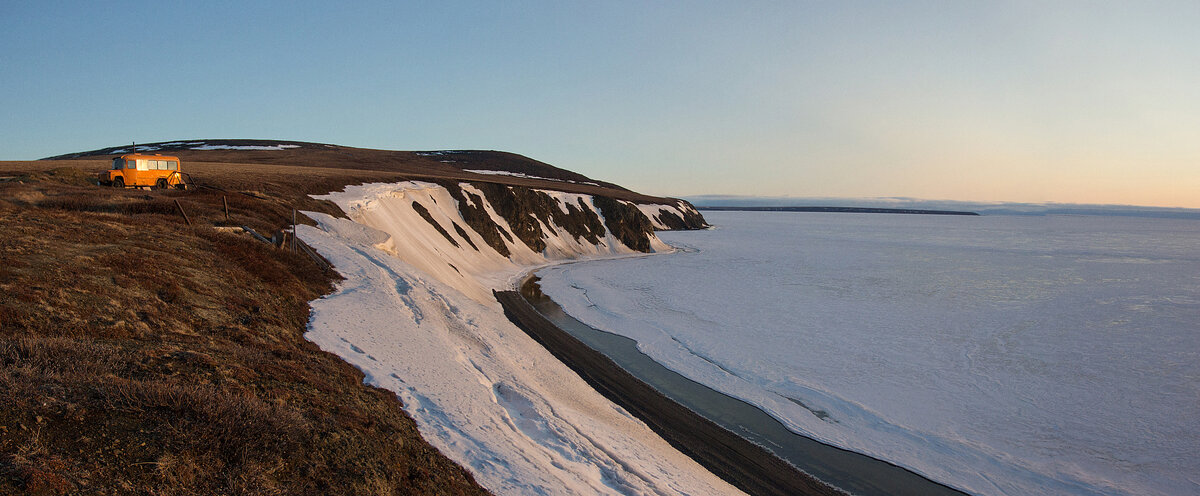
column 987, row 101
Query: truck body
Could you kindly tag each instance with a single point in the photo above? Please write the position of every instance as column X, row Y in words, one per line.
column 141, row 170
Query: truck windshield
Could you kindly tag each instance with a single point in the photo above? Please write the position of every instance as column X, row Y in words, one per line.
column 117, row 163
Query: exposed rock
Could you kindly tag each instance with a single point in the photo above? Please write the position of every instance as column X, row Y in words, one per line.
column 529, row 212
column 626, row 222
column 583, row 222
column 463, row 233
column 424, row 213
column 691, row 217
column 683, row 216
column 477, row 218
column 522, row 208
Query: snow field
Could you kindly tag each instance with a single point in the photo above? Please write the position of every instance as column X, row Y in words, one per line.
column 416, row 315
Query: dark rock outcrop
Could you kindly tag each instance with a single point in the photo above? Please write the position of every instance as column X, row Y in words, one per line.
column 626, row 222
column 529, row 211
column 471, row 207
column 462, row 232
column 522, row 208
column 691, row 218
column 424, row 213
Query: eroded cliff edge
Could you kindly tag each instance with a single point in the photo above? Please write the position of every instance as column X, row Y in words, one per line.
column 416, row 314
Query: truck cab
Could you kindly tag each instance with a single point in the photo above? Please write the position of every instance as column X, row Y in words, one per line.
column 141, row 170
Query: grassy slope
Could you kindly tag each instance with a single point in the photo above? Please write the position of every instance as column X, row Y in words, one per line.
column 428, row 165
column 142, row 356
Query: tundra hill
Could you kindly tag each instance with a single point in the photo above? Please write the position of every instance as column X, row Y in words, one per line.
column 455, row 164
column 140, row 354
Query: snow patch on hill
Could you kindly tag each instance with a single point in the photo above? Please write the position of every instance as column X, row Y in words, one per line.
column 415, row 313
column 199, row 145
column 521, row 175
column 245, row 147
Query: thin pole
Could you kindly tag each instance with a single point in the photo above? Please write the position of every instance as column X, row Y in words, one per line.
column 185, row 217
column 293, row 229
column 226, row 202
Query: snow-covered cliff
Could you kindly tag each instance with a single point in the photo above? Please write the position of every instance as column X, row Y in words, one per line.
column 416, row 314
column 475, row 237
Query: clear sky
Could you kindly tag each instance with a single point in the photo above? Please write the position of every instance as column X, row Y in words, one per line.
column 1094, row 102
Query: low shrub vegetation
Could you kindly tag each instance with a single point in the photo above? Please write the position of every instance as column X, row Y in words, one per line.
column 139, row 355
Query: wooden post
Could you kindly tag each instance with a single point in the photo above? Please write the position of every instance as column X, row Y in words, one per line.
column 226, row 202
column 185, row 217
column 255, row 234
column 293, row 229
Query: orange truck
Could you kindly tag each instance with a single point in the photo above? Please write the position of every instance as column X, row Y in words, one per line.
column 140, row 170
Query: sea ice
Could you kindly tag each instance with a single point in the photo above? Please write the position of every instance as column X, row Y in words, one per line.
column 997, row 354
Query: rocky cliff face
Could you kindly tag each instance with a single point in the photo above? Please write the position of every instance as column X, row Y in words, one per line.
column 476, row 235
column 528, row 210
column 675, row 216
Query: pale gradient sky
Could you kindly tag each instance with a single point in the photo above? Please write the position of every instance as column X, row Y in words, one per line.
column 1088, row 102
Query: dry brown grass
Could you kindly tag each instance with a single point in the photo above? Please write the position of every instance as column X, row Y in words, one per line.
column 333, row 163
column 139, row 355
column 142, row 356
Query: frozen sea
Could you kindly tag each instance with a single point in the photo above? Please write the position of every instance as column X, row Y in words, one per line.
column 996, row 354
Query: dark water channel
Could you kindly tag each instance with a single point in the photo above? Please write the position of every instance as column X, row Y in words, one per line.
column 846, row 470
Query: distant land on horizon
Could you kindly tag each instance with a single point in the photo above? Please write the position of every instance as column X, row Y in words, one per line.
column 735, row 202
column 851, row 210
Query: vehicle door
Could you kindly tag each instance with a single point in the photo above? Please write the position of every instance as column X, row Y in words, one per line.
column 130, row 172
column 142, row 173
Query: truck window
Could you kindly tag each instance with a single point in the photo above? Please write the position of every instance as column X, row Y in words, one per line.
column 129, row 164
column 117, row 163
column 172, row 165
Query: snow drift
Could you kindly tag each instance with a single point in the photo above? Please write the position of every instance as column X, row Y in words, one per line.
column 415, row 313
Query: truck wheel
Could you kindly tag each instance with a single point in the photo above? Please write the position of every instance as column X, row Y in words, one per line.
column 119, row 182
column 160, row 184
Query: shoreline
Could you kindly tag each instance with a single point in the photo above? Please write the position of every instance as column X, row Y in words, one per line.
column 747, row 466
column 740, row 459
